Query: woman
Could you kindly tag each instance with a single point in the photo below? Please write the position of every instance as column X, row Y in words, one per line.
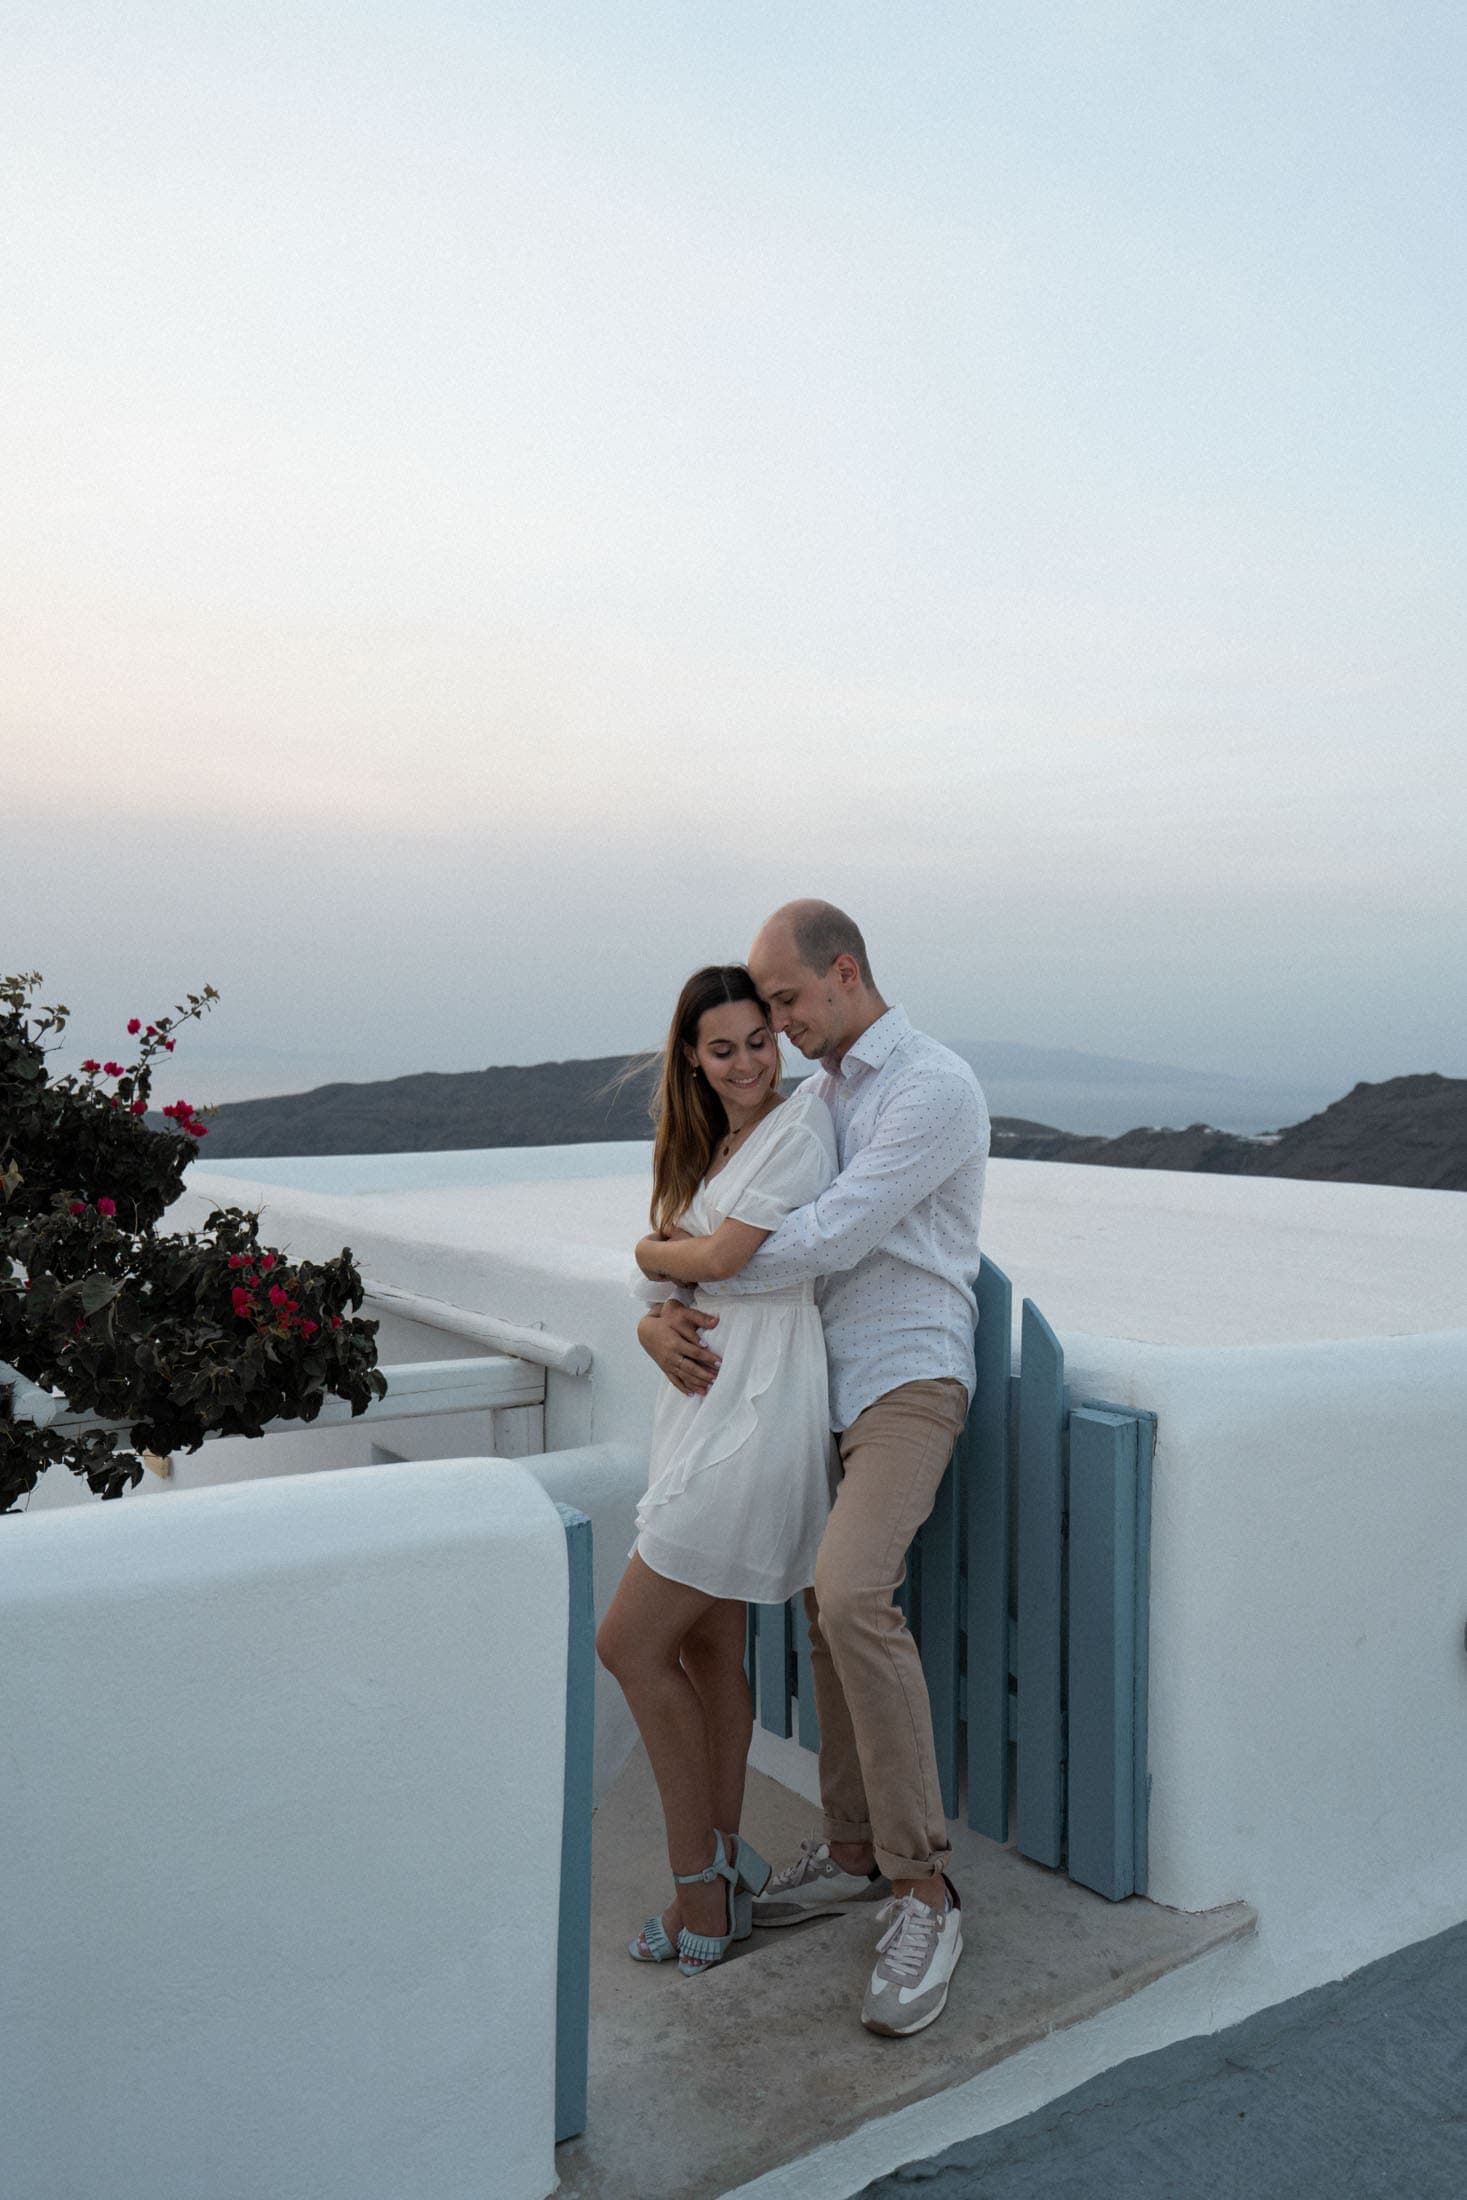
column 740, row 1478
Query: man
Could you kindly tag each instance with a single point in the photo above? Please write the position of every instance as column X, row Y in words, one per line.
column 895, row 1240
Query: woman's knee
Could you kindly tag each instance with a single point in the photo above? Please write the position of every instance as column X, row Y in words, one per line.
column 616, row 1648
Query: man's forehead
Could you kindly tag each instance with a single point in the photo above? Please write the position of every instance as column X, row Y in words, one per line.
column 776, row 960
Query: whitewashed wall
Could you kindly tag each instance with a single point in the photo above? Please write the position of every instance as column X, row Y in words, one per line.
column 1308, row 1694
column 1309, row 1686
column 281, row 1817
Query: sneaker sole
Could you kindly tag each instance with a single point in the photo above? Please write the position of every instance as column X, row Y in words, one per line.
column 794, row 1914
column 905, row 2031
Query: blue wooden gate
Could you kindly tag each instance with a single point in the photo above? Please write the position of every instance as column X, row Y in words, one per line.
column 1027, row 1593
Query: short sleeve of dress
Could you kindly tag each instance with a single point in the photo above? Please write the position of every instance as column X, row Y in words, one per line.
column 791, row 1166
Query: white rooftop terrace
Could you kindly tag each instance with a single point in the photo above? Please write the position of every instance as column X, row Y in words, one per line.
column 1156, row 1255
column 1304, row 1347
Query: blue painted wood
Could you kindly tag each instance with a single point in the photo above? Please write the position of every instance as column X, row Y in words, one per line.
column 1141, row 1781
column 937, row 1598
column 573, row 1947
column 1041, row 1508
column 1101, row 1652
column 773, row 1656
column 986, row 1489
column 808, row 1720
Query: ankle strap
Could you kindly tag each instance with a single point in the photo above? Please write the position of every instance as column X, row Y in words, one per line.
column 720, row 1868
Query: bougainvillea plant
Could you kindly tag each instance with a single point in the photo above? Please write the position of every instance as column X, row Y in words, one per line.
column 171, row 1337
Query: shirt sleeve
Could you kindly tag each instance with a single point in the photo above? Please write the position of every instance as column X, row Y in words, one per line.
column 799, row 1161
column 925, row 1131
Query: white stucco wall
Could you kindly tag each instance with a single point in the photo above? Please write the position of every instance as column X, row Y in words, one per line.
column 281, row 1800
column 1303, row 1346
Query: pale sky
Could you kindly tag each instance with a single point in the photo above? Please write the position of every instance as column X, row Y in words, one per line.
column 493, row 498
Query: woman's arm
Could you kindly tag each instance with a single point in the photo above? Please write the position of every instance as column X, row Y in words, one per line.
column 700, row 1259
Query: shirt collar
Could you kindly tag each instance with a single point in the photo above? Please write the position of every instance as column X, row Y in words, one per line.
column 876, row 1044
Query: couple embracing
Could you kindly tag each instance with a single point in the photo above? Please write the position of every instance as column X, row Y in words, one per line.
column 809, row 1278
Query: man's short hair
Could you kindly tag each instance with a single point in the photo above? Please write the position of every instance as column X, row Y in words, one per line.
column 820, row 932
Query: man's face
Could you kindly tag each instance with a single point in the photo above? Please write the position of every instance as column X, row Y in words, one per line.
column 807, row 1008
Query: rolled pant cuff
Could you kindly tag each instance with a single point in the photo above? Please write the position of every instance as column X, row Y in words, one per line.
column 910, row 1867
column 848, row 1829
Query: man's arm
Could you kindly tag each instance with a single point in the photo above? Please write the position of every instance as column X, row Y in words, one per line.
column 924, row 1133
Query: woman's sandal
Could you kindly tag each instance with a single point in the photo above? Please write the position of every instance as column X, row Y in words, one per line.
column 700, row 1951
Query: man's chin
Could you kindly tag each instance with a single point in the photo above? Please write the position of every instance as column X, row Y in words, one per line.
column 812, row 1048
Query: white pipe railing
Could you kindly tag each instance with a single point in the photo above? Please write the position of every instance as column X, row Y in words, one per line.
column 538, row 1345
column 414, row 1390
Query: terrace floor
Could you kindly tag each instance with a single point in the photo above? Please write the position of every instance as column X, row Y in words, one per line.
column 699, row 2085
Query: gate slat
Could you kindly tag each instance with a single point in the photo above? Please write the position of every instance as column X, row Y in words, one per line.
column 937, row 1594
column 772, row 1656
column 1041, row 1507
column 808, row 1727
column 1101, row 1845
column 986, row 1471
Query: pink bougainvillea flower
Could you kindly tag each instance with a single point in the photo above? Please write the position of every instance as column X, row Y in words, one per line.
column 267, row 1260
column 336, row 1321
column 134, row 1026
column 308, row 1329
column 78, row 1207
column 277, row 1296
column 112, row 1069
column 197, row 1130
column 139, row 1107
column 170, row 1044
column 239, row 1260
column 91, row 1067
column 107, row 1207
column 240, row 1299
column 152, row 1031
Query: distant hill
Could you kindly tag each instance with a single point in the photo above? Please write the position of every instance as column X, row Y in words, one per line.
column 1408, row 1130
column 545, row 1104
column 1103, row 1094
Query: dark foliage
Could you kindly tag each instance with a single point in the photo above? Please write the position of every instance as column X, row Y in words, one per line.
column 172, row 1337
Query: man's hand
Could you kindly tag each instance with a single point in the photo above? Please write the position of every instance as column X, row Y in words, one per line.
column 672, row 1335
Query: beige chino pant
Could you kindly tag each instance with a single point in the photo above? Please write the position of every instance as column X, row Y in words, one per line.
column 878, row 1766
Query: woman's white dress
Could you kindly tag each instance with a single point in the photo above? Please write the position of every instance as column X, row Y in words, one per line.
column 741, row 1477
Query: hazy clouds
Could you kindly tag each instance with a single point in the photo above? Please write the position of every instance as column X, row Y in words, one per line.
column 494, row 499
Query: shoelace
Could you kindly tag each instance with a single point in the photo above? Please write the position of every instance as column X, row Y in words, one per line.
column 805, row 1867
column 907, row 1941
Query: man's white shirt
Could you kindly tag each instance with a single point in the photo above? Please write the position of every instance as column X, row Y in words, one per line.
column 892, row 1244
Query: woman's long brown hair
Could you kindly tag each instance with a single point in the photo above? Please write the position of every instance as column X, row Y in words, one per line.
column 689, row 1115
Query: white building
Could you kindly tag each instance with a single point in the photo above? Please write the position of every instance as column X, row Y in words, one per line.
column 1304, row 1348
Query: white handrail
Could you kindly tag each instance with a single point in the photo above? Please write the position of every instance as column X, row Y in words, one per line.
column 459, row 1321
column 414, row 1389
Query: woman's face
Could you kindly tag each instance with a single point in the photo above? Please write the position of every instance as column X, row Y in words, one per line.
column 738, row 1054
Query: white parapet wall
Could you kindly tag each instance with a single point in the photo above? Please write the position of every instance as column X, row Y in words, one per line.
column 281, row 1806
column 1304, row 1347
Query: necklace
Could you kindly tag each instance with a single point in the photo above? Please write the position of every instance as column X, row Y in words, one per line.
column 734, row 1136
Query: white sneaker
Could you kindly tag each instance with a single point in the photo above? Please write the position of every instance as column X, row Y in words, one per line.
column 915, row 1958
column 816, row 1886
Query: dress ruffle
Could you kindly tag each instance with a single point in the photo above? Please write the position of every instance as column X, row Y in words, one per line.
column 729, row 1433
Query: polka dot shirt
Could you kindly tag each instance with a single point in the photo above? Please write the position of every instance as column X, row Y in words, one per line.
column 893, row 1242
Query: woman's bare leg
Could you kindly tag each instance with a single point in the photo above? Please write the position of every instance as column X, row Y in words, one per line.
column 713, row 1659
column 640, row 1641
